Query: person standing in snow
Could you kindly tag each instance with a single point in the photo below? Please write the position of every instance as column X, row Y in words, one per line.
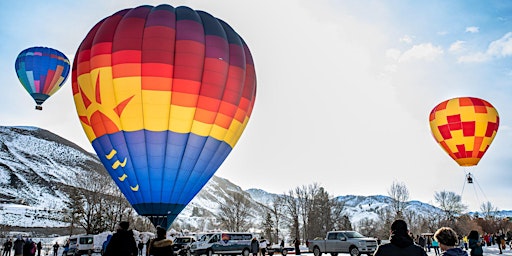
column 29, row 248
column 39, row 247
column 18, row 247
column 122, row 242
column 447, row 239
column 160, row 246
column 55, row 248
column 7, row 247
column 401, row 243
column 475, row 243
column 263, row 246
column 255, row 246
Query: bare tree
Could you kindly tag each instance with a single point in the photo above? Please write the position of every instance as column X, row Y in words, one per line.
column 277, row 209
column 488, row 210
column 293, row 212
column 234, row 213
column 451, row 205
column 399, row 194
column 305, row 197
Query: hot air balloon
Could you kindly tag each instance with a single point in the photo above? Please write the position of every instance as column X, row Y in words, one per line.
column 42, row 71
column 163, row 94
column 465, row 128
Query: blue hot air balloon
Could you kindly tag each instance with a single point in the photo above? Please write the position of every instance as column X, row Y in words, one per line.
column 163, row 95
column 42, row 71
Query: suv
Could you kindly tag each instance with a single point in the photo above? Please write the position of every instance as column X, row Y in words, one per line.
column 224, row 243
column 80, row 244
column 181, row 245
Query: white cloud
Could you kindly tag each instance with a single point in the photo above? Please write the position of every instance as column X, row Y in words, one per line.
column 406, row 39
column 473, row 29
column 393, row 53
column 425, row 51
column 501, row 47
column 457, row 46
column 497, row 49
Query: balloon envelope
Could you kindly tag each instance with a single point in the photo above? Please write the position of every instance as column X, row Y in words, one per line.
column 163, row 95
column 42, row 71
column 465, row 128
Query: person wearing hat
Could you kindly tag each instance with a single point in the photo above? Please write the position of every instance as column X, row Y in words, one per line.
column 122, row 242
column 448, row 240
column 401, row 243
column 160, row 246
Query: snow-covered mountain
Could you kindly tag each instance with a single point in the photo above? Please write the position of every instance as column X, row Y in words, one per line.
column 37, row 168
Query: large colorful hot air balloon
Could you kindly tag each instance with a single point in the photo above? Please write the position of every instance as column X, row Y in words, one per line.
column 464, row 127
column 163, row 95
column 42, row 71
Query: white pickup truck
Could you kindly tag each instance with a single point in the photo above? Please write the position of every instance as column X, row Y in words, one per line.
column 343, row 242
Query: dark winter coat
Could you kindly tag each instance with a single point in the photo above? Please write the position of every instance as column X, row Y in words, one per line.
column 7, row 245
column 161, row 247
column 122, row 243
column 400, row 245
column 255, row 246
column 29, row 248
column 476, row 248
column 18, row 246
column 454, row 252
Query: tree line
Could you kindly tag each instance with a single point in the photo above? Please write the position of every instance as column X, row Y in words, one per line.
column 305, row 212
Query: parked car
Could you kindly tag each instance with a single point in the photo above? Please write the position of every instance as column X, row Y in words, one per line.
column 80, row 245
column 223, row 243
column 181, row 245
column 343, row 242
column 278, row 249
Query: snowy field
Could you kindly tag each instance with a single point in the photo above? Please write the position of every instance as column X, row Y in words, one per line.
column 48, row 250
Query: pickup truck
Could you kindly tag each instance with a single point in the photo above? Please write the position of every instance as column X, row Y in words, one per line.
column 350, row 242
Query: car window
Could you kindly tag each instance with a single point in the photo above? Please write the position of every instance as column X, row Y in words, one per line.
column 353, row 234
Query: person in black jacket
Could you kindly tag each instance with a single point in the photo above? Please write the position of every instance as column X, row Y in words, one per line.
column 122, row 242
column 401, row 243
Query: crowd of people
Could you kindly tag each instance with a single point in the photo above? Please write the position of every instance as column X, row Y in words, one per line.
column 444, row 242
column 427, row 242
column 22, row 247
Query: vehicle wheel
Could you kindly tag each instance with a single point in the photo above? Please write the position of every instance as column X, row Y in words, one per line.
column 354, row 251
column 245, row 252
column 316, row 251
column 284, row 252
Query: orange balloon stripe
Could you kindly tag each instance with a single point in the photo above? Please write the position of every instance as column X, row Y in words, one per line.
column 208, row 103
column 205, row 116
column 184, row 99
column 476, row 149
column 156, row 83
column 126, row 70
column 99, row 61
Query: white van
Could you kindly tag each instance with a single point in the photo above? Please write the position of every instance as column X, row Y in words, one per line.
column 223, row 243
column 80, row 245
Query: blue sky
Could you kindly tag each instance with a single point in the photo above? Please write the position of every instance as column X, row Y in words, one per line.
column 344, row 88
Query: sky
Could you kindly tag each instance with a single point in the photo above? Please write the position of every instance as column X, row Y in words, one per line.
column 344, row 89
